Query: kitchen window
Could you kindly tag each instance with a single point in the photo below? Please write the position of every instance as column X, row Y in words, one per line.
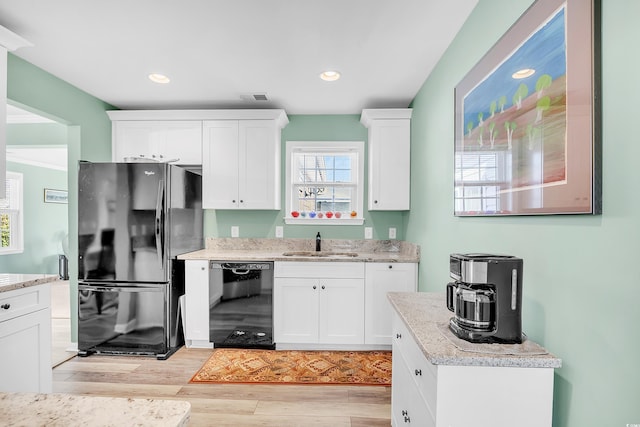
column 11, row 229
column 324, row 182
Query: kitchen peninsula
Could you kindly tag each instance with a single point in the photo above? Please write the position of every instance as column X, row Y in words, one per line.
column 435, row 374
column 25, row 332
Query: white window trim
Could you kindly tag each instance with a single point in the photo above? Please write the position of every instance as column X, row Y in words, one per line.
column 318, row 146
column 18, row 231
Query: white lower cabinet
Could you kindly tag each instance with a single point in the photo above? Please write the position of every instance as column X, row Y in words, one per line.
column 196, row 274
column 408, row 407
column 25, row 340
column 381, row 278
column 318, row 303
column 425, row 394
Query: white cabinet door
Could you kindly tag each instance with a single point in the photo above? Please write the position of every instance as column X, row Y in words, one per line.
column 389, row 158
column 259, row 165
column 25, row 353
column 389, row 165
column 197, row 303
column 341, row 311
column 220, row 167
column 407, row 407
column 381, row 278
column 295, row 310
column 241, row 164
column 175, row 141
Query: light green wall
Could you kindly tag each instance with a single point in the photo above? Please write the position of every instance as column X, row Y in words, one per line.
column 45, row 224
column 88, row 134
column 263, row 223
column 37, row 134
column 581, row 289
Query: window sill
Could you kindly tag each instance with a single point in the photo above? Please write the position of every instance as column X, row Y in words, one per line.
column 324, row 221
column 11, row 251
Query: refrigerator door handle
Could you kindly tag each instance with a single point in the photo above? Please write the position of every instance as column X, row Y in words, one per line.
column 159, row 224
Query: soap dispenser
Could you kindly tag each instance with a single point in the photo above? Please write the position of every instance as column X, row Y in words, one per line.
column 318, row 242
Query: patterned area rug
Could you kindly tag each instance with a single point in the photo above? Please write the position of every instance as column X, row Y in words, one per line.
column 296, row 367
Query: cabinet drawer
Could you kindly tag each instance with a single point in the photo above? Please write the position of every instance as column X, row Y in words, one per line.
column 329, row 270
column 423, row 372
column 408, row 408
column 19, row 302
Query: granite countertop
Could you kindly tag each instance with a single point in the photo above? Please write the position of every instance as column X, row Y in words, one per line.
column 426, row 316
column 9, row 282
column 65, row 410
column 333, row 250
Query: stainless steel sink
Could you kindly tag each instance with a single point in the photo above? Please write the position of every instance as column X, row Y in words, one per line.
column 320, row 254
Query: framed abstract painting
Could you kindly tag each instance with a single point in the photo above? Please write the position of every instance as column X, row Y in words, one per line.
column 527, row 117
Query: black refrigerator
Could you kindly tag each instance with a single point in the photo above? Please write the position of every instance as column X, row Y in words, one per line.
column 134, row 219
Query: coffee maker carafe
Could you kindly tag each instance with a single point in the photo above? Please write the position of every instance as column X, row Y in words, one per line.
column 486, row 297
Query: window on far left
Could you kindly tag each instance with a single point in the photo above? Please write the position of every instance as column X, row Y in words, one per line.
column 11, row 227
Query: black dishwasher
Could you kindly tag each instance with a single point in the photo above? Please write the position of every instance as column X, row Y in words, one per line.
column 241, row 313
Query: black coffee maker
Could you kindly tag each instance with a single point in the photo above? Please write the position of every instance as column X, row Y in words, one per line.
column 486, row 297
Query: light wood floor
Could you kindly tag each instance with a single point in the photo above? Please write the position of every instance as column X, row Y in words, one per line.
column 211, row 404
column 223, row 404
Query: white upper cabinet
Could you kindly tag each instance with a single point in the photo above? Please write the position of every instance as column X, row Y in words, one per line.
column 174, row 141
column 389, row 158
column 241, row 163
column 239, row 150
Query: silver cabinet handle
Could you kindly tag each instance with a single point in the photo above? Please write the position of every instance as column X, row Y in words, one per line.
column 398, row 336
column 418, row 372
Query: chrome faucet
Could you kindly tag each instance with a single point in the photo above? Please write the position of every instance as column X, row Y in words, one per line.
column 318, row 242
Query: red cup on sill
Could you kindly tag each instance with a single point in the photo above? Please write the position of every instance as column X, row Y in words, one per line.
column 295, row 214
column 329, row 214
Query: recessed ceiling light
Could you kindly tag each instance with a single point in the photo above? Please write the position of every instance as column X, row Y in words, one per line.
column 159, row 78
column 330, row 76
column 524, row 73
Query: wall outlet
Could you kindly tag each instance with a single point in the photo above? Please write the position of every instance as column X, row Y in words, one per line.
column 392, row 233
column 368, row 233
column 235, row 231
column 279, row 231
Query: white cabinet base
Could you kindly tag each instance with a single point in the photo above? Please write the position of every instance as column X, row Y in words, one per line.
column 425, row 394
column 25, row 340
column 197, row 304
column 499, row 396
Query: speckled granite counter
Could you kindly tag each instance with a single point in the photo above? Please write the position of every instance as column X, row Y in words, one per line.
column 239, row 249
column 425, row 315
column 64, row 410
column 9, row 282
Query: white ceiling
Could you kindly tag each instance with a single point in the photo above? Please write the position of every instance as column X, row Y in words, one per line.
column 218, row 51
